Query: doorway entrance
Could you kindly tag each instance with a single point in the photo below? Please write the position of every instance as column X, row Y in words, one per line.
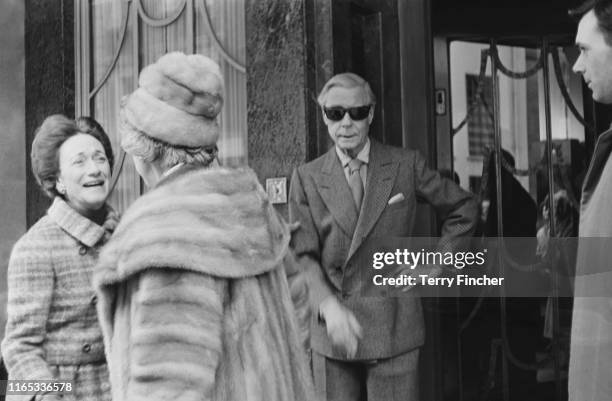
column 522, row 102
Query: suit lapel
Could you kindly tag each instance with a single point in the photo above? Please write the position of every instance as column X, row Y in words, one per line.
column 382, row 170
column 336, row 194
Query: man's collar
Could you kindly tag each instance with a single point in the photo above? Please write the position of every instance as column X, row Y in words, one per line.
column 363, row 155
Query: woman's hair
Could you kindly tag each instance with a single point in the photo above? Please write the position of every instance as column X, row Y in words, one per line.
column 48, row 139
column 150, row 150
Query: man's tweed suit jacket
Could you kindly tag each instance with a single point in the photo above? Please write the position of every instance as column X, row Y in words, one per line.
column 331, row 232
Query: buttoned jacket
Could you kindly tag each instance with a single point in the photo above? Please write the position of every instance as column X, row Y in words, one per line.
column 51, row 306
column 331, row 235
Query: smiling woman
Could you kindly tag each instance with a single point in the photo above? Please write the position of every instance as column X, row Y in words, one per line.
column 52, row 330
column 83, row 174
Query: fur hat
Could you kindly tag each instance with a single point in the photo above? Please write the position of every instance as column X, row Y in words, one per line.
column 177, row 102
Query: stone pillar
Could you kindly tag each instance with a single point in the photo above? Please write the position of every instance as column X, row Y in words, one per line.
column 12, row 141
column 49, row 77
column 277, row 128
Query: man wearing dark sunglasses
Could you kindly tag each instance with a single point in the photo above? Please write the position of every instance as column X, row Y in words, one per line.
column 364, row 348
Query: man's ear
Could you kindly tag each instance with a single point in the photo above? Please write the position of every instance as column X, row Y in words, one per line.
column 325, row 119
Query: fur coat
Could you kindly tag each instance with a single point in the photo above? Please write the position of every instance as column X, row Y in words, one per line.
column 194, row 301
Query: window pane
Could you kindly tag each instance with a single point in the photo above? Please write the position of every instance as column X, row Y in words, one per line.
column 108, row 18
column 226, row 44
column 110, row 57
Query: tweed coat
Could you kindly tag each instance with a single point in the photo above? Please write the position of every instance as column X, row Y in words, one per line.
column 591, row 339
column 331, row 232
column 194, row 302
column 52, row 330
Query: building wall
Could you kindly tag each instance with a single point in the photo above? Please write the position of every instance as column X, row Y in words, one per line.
column 277, row 137
column 12, row 138
column 49, row 79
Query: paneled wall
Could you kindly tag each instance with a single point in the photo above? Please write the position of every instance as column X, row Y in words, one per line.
column 12, row 142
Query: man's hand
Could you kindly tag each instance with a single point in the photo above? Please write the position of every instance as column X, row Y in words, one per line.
column 293, row 227
column 343, row 328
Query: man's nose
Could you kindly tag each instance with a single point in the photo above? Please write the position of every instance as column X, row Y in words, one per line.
column 578, row 67
column 346, row 119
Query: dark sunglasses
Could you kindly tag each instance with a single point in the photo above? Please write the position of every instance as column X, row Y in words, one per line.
column 356, row 113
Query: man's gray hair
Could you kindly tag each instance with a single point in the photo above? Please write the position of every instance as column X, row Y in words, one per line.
column 346, row 80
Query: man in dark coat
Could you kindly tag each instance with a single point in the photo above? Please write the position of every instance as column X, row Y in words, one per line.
column 364, row 348
column 591, row 341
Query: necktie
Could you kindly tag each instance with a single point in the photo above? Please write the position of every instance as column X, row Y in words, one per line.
column 355, row 182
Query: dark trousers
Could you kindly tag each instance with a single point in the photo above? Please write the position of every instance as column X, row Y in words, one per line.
column 389, row 379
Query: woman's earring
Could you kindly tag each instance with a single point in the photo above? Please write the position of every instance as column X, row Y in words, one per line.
column 61, row 189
